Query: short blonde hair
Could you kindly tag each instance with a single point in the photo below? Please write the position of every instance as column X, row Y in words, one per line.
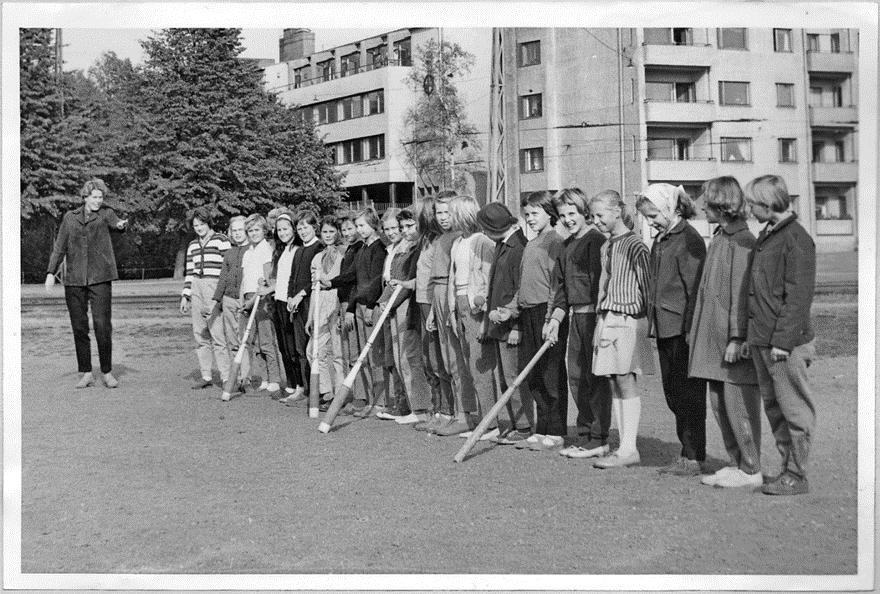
column 770, row 190
column 463, row 214
column 254, row 220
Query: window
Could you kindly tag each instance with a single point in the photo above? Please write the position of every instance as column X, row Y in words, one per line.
column 732, row 39
column 334, row 156
column 376, row 57
column 352, row 151
column 351, row 107
column 529, row 53
column 349, row 64
column 374, row 102
column 666, row 36
column 376, row 147
column 531, row 159
column 812, row 42
column 736, row 149
column 831, row 206
column 325, row 113
column 300, row 75
column 781, row 40
column 784, row 95
column 679, row 92
column 530, row 106
column 403, row 52
column 669, row 149
column 733, row 93
column 816, row 96
column 838, row 152
column 835, row 43
column 327, row 69
column 787, row 150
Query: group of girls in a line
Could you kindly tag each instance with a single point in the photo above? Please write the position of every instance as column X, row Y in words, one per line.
column 480, row 293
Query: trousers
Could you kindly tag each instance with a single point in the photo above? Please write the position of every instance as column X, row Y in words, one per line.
column 479, row 358
column 788, row 403
column 78, row 299
column 438, row 378
column 547, row 383
column 450, row 349
column 685, row 396
column 233, row 326
column 408, row 359
column 520, row 408
column 286, row 345
column 207, row 325
column 737, row 409
column 592, row 394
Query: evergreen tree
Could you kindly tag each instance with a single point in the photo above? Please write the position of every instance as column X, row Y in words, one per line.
column 54, row 146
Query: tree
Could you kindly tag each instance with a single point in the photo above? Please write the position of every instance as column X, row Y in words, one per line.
column 437, row 126
column 216, row 139
column 54, row 150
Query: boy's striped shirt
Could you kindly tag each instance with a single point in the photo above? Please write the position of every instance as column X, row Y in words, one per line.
column 204, row 261
column 624, row 283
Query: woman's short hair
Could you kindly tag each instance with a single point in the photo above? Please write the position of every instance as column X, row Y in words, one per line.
column 236, row 219
column 333, row 221
column 612, row 199
column 390, row 214
column 306, row 216
column 254, row 220
column 463, row 212
column 541, row 199
column 406, row 215
column 370, row 217
column 572, row 197
column 203, row 214
column 770, row 190
column 344, row 214
column 725, row 196
column 96, row 183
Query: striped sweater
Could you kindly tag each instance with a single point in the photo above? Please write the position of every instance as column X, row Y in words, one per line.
column 624, row 284
column 204, row 261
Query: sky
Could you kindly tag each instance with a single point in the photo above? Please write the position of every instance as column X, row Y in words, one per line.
column 82, row 47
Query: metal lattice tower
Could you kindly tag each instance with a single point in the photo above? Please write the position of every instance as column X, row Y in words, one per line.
column 497, row 156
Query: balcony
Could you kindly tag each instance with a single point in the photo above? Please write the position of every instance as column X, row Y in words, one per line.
column 680, row 112
column 678, row 55
column 831, row 62
column 834, row 117
column 837, row 173
column 685, row 171
column 335, row 76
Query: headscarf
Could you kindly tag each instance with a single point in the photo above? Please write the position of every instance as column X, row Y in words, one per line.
column 664, row 197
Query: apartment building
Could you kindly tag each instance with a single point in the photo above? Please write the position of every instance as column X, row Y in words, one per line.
column 358, row 96
column 622, row 108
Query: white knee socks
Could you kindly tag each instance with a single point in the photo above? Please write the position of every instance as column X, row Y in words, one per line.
column 631, row 410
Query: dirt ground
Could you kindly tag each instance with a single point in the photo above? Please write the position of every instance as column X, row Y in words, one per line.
column 155, row 478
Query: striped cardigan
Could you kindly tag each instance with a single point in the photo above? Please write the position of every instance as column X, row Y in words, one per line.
column 204, row 261
column 624, row 284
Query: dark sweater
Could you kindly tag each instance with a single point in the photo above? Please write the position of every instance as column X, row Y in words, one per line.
column 229, row 282
column 346, row 281
column 575, row 279
column 368, row 265
column 301, row 270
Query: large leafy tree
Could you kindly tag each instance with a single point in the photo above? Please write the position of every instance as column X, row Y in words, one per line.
column 438, row 133
column 214, row 138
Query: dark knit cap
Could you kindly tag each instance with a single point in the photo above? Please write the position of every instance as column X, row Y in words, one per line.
column 495, row 218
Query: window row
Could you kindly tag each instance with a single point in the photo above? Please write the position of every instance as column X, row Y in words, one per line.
column 738, row 39
column 346, row 108
column 376, row 57
column 358, row 150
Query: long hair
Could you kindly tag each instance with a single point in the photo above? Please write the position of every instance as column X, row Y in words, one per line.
column 428, row 227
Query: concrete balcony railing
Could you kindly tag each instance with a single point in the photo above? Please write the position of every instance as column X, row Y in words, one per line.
column 678, row 55
column 835, row 227
column 686, row 171
column 831, row 62
column 685, row 112
column 834, row 116
column 837, row 173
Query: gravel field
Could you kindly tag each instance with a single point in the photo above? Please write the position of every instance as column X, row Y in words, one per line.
column 155, row 478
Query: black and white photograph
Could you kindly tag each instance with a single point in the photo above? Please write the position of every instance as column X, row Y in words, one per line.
column 439, row 296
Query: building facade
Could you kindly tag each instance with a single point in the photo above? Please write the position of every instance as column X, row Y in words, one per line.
column 623, row 108
column 358, row 95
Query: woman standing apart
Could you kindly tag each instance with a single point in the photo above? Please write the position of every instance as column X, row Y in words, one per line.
column 84, row 238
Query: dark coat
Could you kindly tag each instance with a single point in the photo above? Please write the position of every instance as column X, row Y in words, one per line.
column 84, row 237
column 782, row 280
column 504, row 281
column 229, row 283
column 676, row 266
column 722, row 308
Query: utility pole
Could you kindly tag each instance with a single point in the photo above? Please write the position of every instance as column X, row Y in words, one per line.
column 497, row 162
column 620, row 136
column 59, row 62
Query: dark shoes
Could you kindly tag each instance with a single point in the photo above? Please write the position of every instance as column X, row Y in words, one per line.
column 202, row 384
column 786, row 483
column 682, row 467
